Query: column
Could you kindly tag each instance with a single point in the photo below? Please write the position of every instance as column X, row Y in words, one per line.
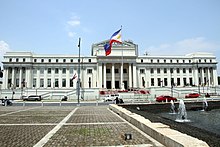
column 67, row 78
column 29, row 79
column 99, row 79
column 53, row 77
column 202, row 78
column 20, row 77
column 215, row 77
column 104, row 72
column 130, row 76
column 13, row 77
column 148, row 78
column 121, row 79
column 181, row 77
column 113, row 76
column 45, row 78
column 134, row 76
column 60, row 77
column 196, row 76
column 5, row 77
column 38, row 78
column 169, row 77
column 208, row 74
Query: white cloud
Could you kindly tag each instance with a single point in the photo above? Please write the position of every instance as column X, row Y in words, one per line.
column 74, row 21
column 199, row 44
column 71, row 34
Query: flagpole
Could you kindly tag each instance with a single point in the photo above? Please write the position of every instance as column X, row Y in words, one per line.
column 122, row 78
column 78, row 81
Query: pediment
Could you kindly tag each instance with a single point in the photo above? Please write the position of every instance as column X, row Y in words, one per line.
column 127, row 43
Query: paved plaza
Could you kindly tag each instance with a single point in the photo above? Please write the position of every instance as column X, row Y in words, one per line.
column 59, row 126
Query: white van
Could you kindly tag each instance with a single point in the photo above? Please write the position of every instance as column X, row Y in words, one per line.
column 111, row 97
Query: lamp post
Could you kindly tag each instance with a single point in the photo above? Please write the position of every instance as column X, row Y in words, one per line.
column 78, row 81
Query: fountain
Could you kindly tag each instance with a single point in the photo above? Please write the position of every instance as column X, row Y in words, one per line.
column 204, row 104
column 182, row 115
column 172, row 108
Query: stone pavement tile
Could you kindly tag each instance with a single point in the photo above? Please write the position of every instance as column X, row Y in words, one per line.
column 96, row 135
column 92, row 115
column 22, row 136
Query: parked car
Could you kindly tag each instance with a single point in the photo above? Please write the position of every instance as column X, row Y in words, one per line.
column 111, row 97
column 192, row 95
column 64, row 98
column 164, row 98
column 32, row 98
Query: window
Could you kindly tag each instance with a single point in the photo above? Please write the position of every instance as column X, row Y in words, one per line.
column 184, row 70
column 49, row 60
column 35, row 60
column 89, row 82
column 23, row 59
column 71, row 60
column 152, row 81
column 34, row 71
column 189, row 61
column 108, row 70
column 158, row 70
column 17, row 60
column 89, row 71
column 165, row 81
column 56, row 70
column 142, row 71
column 159, row 82
column 151, row 70
column 64, row 60
column 90, row 60
column 171, row 61
column 56, row 83
column 116, row 71
column 63, row 82
column 178, row 70
column 41, row 82
column 210, row 60
column 56, row 60
column 71, row 83
column 48, row 82
column 205, row 60
column 64, row 70
column 41, row 71
column 34, row 82
column 17, row 82
column 49, row 70
column 158, row 61
column 178, row 81
column 141, row 60
column 177, row 61
column 165, row 70
column 124, row 70
column 190, row 70
column 10, row 60
column 71, row 70
column 183, row 61
column 171, row 70
column 151, row 60
column 42, row 60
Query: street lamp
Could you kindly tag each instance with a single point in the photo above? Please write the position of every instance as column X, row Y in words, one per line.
column 78, row 82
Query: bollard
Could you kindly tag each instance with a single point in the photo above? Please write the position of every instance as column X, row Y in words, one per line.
column 23, row 104
column 60, row 104
column 42, row 104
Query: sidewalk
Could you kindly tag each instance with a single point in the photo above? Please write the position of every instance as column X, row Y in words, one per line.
column 67, row 126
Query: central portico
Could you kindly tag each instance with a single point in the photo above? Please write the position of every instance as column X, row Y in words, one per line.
column 118, row 70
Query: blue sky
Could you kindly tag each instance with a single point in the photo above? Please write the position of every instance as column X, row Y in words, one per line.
column 171, row 27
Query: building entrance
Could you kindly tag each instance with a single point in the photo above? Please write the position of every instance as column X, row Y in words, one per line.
column 108, row 84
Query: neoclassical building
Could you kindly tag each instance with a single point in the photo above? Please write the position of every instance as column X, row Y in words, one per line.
column 123, row 68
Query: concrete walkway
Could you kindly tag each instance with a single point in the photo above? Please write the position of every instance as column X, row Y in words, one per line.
column 68, row 126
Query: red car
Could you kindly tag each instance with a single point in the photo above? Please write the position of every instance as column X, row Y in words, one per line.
column 192, row 95
column 164, row 98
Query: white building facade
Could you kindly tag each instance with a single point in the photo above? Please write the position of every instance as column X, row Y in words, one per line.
column 122, row 67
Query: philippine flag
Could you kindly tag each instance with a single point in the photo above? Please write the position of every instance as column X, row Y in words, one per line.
column 116, row 37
